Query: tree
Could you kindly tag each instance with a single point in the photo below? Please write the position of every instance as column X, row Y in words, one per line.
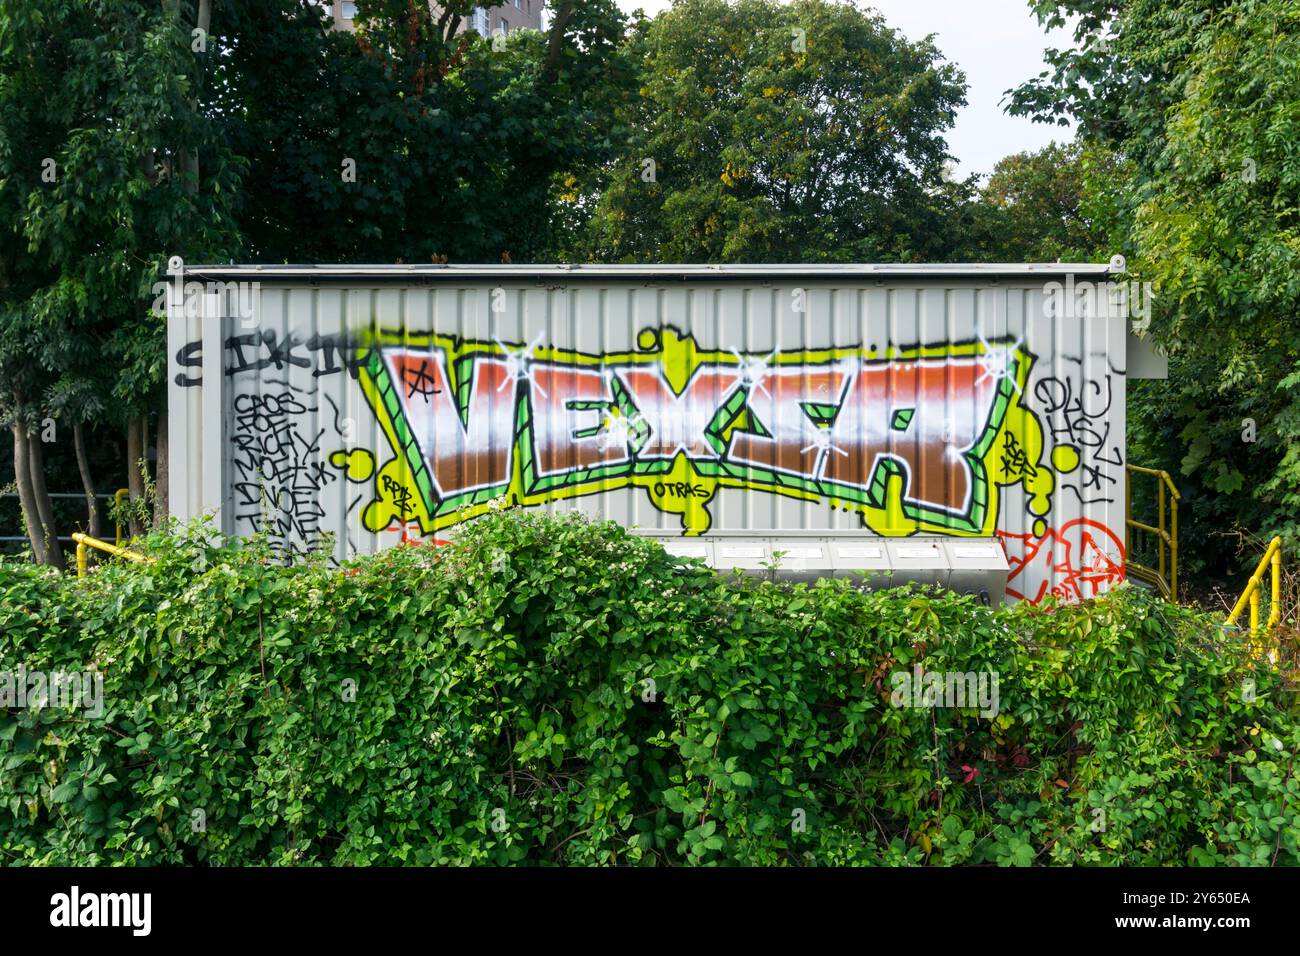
column 768, row 132
column 1219, row 232
column 1198, row 98
column 406, row 141
column 138, row 130
column 100, row 140
column 1046, row 206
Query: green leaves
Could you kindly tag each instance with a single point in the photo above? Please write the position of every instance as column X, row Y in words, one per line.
column 135, row 745
column 64, row 792
column 1198, row 99
column 101, row 138
column 499, row 713
column 751, row 142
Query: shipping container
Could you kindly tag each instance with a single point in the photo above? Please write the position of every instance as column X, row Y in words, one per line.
column 808, row 410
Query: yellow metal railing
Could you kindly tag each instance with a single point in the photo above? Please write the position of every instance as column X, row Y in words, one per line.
column 118, row 497
column 85, row 542
column 1165, row 575
column 1272, row 561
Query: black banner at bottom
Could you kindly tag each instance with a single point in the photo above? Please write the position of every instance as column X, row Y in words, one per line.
column 331, row 906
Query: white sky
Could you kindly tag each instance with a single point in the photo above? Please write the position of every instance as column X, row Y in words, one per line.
column 998, row 44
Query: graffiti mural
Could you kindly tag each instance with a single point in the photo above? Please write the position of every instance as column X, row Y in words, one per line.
column 1079, row 408
column 342, row 432
column 278, row 472
column 1079, row 561
column 911, row 439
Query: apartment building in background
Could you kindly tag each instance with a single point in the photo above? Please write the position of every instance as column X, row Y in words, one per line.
column 505, row 19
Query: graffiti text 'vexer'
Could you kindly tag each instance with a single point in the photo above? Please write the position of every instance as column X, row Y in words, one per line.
column 912, row 438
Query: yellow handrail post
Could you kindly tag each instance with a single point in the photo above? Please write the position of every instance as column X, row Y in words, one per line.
column 117, row 499
column 1128, row 514
column 85, row 541
column 1160, row 545
column 1275, row 605
column 1173, row 549
column 1271, row 562
column 1242, row 602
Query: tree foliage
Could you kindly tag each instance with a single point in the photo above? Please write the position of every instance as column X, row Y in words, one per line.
column 779, row 132
column 1048, row 206
column 405, row 143
column 1198, row 100
column 131, row 133
column 95, row 116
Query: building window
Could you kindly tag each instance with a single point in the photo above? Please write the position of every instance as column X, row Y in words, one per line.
column 480, row 21
column 503, row 28
column 349, row 11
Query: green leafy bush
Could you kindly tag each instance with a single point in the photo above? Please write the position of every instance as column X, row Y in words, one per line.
column 553, row 691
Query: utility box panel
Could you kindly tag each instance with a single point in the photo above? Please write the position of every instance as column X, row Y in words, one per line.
column 918, row 560
column 802, row 559
column 741, row 554
column 977, row 567
column 864, row 561
column 807, row 409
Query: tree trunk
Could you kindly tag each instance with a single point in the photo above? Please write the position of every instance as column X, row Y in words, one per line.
column 93, row 524
column 44, row 505
column 135, row 463
column 161, row 471
column 190, row 161
column 26, row 497
column 555, row 41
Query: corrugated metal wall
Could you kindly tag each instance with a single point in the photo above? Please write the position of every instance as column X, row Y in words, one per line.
column 953, row 406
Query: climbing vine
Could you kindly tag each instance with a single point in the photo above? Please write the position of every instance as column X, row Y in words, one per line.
column 554, row 691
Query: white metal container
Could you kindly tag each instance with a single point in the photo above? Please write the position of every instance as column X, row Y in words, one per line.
column 976, row 567
column 864, row 560
column 918, row 560
column 387, row 403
